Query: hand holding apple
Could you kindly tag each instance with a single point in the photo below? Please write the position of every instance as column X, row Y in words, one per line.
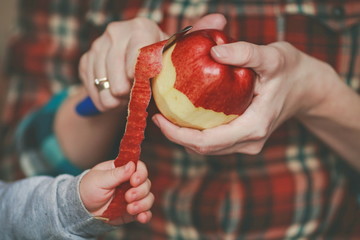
column 285, row 87
column 193, row 90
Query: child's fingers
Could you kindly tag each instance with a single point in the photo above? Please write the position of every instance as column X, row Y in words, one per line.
column 111, row 178
column 135, row 194
column 144, row 217
column 140, row 176
column 142, row 205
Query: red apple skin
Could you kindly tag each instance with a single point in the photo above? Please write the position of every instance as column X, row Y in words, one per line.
column 193, row 90
column 209, row 84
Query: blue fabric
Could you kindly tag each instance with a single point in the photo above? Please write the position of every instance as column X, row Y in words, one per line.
column 40, row 152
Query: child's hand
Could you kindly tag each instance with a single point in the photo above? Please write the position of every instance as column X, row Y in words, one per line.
column 98, row 185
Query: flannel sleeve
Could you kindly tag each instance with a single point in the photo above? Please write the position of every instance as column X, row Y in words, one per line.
column 37, row 145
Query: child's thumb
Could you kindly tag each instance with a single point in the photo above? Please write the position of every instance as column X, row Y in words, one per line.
column 113, row 177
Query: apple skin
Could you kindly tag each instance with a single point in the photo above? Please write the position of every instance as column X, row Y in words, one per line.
column 193, row 90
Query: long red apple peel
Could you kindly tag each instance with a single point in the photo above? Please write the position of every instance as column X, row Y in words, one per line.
column 148, row 65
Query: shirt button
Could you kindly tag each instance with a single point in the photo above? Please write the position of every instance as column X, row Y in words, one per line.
column 338, row 11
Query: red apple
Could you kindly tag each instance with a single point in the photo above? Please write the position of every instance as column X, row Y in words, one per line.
column 193, row 90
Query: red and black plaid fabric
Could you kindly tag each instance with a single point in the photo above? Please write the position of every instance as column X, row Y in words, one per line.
column 296, row 188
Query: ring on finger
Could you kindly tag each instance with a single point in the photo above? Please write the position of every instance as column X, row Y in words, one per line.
column 101, row 83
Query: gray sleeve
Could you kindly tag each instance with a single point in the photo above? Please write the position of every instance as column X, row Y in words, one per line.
column 46, row 208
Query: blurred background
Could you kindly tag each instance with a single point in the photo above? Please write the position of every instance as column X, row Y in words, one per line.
column 7, row 27
column 7, row 23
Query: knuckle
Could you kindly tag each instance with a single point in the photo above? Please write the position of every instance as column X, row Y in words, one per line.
column 112, row 28
column 206, row 145
column 277, row 59
column 281, row 56
column 202, row 149
column 152, row 198
column 115, row 173
column 147, row 186
column 285, row 45
column 144, row 27
column 142, row 23
column 259, row 134
column 109, row 103
column 199, row 145
column 82, row 62
column 148, row 183
column 247, row 53
column 254, row 149
column 143, row 169
column 83, row 67
column 120, row 91
column 97, row 45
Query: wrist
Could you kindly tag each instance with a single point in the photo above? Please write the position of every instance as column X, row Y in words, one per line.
column 320, row 83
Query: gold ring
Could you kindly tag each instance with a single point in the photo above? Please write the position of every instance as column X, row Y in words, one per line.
column 102, row 83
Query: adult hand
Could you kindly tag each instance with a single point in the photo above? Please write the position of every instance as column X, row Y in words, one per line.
column 113, row 55
column 98, row 186
column 288, row 83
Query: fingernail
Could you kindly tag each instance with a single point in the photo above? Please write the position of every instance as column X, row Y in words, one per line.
column 156, row 121
column 219, row 51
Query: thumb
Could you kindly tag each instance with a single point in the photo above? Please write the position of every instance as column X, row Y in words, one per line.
column 111, row 178
column 244, row 54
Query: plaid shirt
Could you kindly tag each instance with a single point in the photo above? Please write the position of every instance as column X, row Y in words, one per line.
column 295, row 188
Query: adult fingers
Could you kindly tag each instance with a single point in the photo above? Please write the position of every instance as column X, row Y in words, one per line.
column 217, row 21
column 92, row 66
column 146, row 32
column 253, row 125
column 118, row 34
column 101, row 49
column 251, row 147
column 115, row 68
column 88, row 77
column 197, row 140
